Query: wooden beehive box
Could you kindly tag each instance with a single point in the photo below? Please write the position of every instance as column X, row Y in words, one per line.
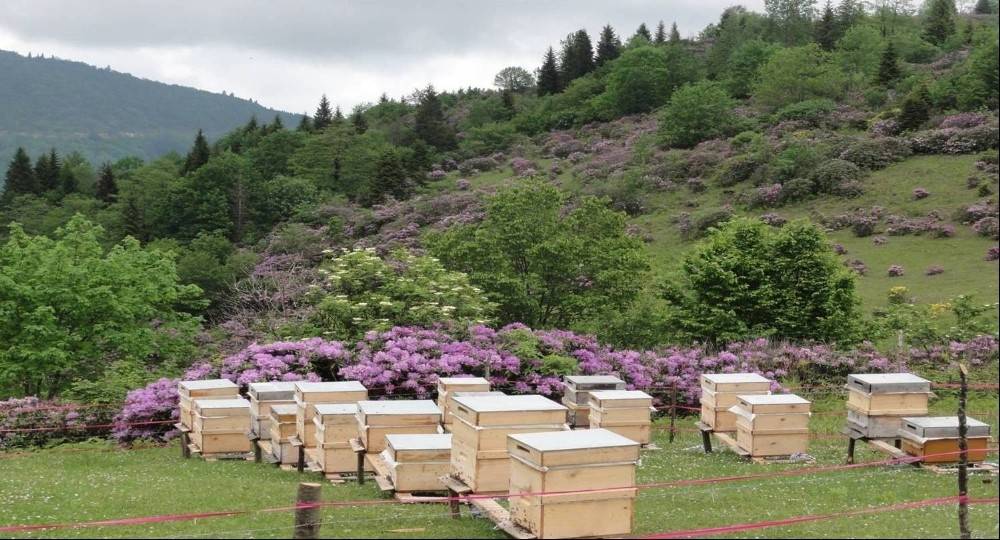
column 772, row 425
column 308, row 394
column 569, row 470
column 873, row 427
column 935, row 438
column 376, row 419
column 774, row 404
column 281, row 427
column 336, row 424
column 449, row 417
column 719, row 392
column 479, row 454
column 450, row 385
column 626, row 412
column 187, row 391
column 221, row 425
column 576, row 394
column 888, row 394
column 417, row 462
column 263, row 396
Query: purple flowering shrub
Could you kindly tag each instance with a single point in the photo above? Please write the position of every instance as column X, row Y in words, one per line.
column 34, row 413
column 154, row 402
column 992, row 253
column 920, row 193
column 934, row 270
column 896, row 270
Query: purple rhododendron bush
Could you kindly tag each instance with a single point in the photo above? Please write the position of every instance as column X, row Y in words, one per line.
column 46, row 422
column 405, row 363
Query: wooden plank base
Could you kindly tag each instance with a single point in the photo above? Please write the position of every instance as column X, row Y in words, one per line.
column 243, row 456
column 489, row 507
column 795, row 458
column 982, row 467
column 729, row 441
column 706, row 436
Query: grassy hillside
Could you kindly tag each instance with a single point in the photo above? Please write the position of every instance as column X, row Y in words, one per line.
column 104, row 114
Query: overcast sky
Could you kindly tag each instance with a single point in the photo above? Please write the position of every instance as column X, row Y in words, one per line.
column 285, row 54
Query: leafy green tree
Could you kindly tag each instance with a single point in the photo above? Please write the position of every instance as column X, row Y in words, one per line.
column 849, row 12
column 979, row 85
column 749, row 280
column 736, row 26
column 797, row 74
column 791, row 20
column 430, row 124
column 20, row 178
column 609, row 46
column 696, row 112
column 365, row 292
column 197, row 156
column 639, row 81
column 107, row 188
column 888, row 67
column 70, row 307
column 939, row 22
column 270, row 157
column 220, row 196
column 514, row 79
column 548, row 75
column 744, row 65
column 826, row 28
column 660, row 37
column 323, row 116
column 859, row 51
column 916, row 109
column 544, row 264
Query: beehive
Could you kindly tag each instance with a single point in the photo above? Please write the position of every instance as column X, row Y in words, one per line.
column 935, row 438
column 220, row 425
column 281, row 428
column 563, row 475
column 451, row 403
column 876, row 402
column 309, row 394
column 263, row 396
column 376, row 419
column 449, row 385
column 479, row 455
column 417, row 462
column 336, row 424
column 576, row 394
column 626, row 412
column 719, row 393
column 772, row 425
column 188, row 391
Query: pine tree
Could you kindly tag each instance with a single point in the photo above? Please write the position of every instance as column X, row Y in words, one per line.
column 68, row 182
column 383, row 99
column 390, row 178
column 106, row 189
column 47, row 171
column 643, row 32
column 252, row 125
column 983, row 7
column 577, row 57
column 133, row 220
column 323, row 116
column 359, row 121
column 609, row 46
column 548, row 75
column 20, row 178
column 939, row 23
column 338, row 116
column 826, row 28
column 430, row 124
column 661, row 34
column 916, row 109
column 198, row 155
column 675, row 36
column 848, row 13
column 276, row 125
column 888, row 68
column 305, row 124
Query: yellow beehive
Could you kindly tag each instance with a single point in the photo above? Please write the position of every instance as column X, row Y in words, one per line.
column 626, row 412
column 376, row 419
column 479, row 455
column 188, row 391
column 572, row 485
column 309, row 394
column 417, row 462
column 772, row 425
column 719, row 393
column 281, row 427
column 448, row 385
column 221, row 425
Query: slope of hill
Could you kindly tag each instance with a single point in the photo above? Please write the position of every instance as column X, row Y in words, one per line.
column 104, row 114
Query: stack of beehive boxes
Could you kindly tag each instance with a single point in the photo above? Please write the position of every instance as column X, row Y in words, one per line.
column 220, row 426
column 449, row 385
column 935, row 438
column 376, row 419
column 263, row 396
column 188, row 391
column 281, row 428
column 336, row 425
column 576, row 395
column 479, row 455
column 877, row 402
column 582, row 463
column 772, row 425
column 626, row 412
column 719, row 393
column 417, row 462
column 310, row 394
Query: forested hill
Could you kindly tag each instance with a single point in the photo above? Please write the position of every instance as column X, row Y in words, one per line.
column 105, row 114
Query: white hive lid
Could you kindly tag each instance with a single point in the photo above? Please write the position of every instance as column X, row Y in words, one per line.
column 330, row 386
column 593, row 379
column 774, row 399
column 734, row 378
column 335, row 408
column 619, row 394
column 411, row 406
column 531, row 402
column 428, row 441
column 580, row 439
column 208, row 384
column 458, row 381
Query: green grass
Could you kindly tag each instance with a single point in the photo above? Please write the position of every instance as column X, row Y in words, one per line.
column 55, row 486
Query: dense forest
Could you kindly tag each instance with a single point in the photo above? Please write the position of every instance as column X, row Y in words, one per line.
column 651, row 190
column 104, row 114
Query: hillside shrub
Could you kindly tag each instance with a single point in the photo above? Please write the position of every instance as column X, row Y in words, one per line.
column 797, row 189
column 696, row 112
column 956, row 140
column 874, row 154
column 832, row 175
column 50, row 422
column 737, row 169
column 811, row 111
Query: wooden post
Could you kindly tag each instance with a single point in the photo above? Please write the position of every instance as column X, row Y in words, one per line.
column 307, row 515
column 963, row 456
column 706, row 440
column 673, row 410
column 361, row 468
column 851, row 441
column 456, row 511
column 185, row 445
column 301, row 465
column 256, row 449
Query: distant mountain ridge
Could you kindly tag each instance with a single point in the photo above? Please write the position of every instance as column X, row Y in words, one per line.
column 105, row 114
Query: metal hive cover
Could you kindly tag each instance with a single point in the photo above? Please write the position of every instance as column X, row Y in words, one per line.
column 208, row 384
column 335, row 408
column 942, row 426
column 331, row 386
column 529, row 402
column 593, row 379
column 580, row 439
column 417, row 406
column 883, row 383
column 429, row 441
